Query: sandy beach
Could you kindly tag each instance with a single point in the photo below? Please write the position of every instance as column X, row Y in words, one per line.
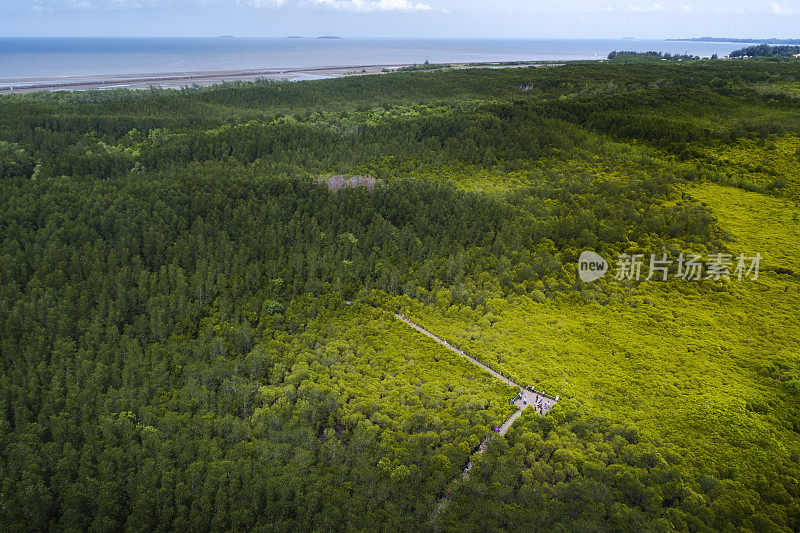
column 175, row 80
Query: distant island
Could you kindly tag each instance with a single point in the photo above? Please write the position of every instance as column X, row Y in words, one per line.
column 226, row 36
column 294, row 37
column 732, row 40
column 328, row 37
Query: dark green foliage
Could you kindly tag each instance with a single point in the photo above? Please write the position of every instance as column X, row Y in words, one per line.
column 15, row 162
column 626, row 55
column 171, row 277
column 585, row 474
column 427, row 65
column 765, row 50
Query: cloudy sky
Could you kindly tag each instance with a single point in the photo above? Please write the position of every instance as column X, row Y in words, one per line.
column 402, row 18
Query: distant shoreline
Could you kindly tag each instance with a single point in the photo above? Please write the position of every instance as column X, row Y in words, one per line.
column 205, row 78
column 736, row 41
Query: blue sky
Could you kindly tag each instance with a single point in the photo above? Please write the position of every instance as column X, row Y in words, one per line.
column 402, row 18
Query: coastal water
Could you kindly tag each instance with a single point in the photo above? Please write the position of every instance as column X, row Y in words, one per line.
column 57, row 57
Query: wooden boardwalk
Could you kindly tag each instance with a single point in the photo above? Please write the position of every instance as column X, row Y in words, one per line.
column 525, row 399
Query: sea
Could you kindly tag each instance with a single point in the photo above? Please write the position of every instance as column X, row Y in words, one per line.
column 65, row 57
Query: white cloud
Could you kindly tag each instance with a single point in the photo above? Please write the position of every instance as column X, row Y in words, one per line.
column 649, row 8
column 36, row 7
column 80, row 4
column 778, row 9
column 359, row 6
column 261, row 3
column 653, row 7
column 367, row 6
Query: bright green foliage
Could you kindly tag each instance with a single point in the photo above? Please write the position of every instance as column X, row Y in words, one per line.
column 757, row 223
column 709, row 370
column 760, row 165
column 697, row 366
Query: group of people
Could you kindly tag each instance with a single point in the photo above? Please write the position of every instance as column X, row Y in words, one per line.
column 541, row 403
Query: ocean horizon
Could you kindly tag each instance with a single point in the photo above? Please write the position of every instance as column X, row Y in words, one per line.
column 52, row 57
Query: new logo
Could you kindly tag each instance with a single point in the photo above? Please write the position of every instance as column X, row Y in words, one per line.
column 591, row 266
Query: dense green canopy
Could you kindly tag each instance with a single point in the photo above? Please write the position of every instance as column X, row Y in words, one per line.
column 177, row 354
